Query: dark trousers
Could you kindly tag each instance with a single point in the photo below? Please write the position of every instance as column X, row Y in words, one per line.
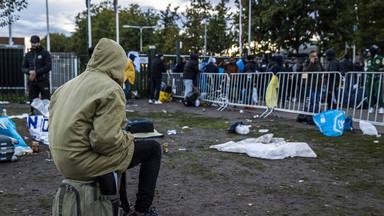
column 155, row 88
column 127, row 90
column 35, row 88
column 148, row 154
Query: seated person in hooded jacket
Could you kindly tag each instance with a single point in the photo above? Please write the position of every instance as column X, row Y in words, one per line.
column 86, row 121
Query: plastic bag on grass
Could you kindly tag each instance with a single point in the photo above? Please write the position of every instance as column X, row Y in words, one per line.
column 330, row 122
column 8, row 128
column 368, row 128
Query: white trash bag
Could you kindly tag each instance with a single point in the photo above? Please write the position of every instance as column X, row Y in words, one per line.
column 368, row 128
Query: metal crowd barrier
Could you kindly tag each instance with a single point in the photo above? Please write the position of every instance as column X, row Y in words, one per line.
column 298, row 92
column 362, row 91
column 64, row 68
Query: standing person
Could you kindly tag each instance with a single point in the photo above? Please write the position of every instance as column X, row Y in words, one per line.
column 157, row 69
column 230, row 67
column 36, row 64
column 86, row 122
column 374, row 63
column 211, row 67
column 314, row 82
column 251, row 65
column 332, row 64
column 190, row 71
column 179, row 67
column 129, row 76
column 241, row 63
column 347, row 66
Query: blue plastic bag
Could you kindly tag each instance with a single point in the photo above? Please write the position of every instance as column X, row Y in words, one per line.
column 348, row 126
column 330, row 122
column 8, row 128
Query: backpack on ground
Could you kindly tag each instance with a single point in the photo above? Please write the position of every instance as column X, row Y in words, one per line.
column 139, row 125
column 191, row 98
column 91, row 198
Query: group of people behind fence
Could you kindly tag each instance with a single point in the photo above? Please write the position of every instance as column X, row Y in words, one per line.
column 321, row 85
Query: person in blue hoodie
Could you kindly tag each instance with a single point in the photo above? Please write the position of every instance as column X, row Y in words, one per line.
column 241, row 63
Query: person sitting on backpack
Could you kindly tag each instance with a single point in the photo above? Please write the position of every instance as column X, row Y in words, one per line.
column 86, row 121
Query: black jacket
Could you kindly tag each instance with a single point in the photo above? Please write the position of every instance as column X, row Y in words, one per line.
column 347, row 65
column 179, row 67
column 157, row 68
column 250, row 66
column 211, row 68
column 191, row 68
column 38, row 60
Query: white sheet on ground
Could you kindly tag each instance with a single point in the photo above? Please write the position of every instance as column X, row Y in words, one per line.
column 267, row 147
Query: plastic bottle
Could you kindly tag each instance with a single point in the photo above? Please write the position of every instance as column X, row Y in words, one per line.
column 4, row 112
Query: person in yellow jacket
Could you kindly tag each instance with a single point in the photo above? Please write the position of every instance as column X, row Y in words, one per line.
column 86, row 121
column 129, row 76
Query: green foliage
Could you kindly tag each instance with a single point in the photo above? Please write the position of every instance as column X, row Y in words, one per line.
column 59, row 42
column 7, row 8
column 194, row 15
column 219, row 35
column 167, row 36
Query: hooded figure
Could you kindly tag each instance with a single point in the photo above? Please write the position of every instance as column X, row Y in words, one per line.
column 129, row 76
column 191, row 69
column 278, row 66
column 85, row 140
column 332, row 64
column 211, row 67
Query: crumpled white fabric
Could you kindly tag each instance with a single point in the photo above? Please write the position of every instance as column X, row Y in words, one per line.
column 267, row 147
column 368, row 128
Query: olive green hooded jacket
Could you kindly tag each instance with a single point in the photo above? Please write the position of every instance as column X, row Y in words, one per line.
column 87, row 117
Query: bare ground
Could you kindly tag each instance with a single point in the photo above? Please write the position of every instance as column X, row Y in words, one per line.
column 346, row 178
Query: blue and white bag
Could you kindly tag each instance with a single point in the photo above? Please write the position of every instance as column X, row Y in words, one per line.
column 330, row 122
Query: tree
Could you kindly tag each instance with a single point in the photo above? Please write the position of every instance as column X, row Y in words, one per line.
column 59, row 42
column 369, row 20
column 167, row 36
column 7, row 8
column 104, row 25
column 219, row 36
column 194, row 31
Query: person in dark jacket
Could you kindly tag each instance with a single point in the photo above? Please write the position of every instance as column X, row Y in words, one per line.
column 190, row 71
column 36, row 65
column 333, row 79
column 211, row 67
column 314, row 82
column 179, row 67
column 347, row 66
column 251, row 65
column 157, row 69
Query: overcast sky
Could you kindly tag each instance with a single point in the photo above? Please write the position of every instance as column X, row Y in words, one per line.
column 32, row 20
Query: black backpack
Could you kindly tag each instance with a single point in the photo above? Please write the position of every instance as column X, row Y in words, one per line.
column 191, row 98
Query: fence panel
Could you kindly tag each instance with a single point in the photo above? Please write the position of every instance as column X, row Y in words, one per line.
column 12, row 80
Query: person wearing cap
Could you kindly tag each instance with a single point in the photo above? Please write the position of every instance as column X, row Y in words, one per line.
column 36, row 65
column 129, row 76
column 374, row 63
column 157, row 69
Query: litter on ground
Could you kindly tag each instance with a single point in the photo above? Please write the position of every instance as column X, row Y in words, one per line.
column 267, row 147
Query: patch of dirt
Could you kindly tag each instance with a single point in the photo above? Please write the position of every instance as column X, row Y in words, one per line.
column 196, row 180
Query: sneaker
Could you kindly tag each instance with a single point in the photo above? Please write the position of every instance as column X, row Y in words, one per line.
column 150, row 101
column 371, row 110
column 158, row 102
column 381, row 110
